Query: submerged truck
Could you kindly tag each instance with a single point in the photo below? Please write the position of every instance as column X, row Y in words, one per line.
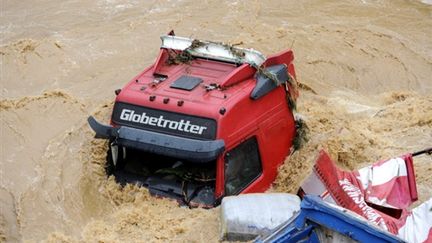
column 206, row 120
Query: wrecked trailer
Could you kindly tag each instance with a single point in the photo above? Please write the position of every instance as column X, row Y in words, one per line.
column 367, row 205
column 206, row 120
column 381, row 193
column 319, row 221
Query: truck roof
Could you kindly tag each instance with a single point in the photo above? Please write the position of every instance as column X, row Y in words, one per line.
column 205, row 79
column 209, row 79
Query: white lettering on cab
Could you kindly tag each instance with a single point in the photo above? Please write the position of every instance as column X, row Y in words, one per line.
column 182, row 125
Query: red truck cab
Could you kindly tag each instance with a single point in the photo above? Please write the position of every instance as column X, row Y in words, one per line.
column 206, row 120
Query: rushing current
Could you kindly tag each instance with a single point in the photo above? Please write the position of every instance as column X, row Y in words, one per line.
column 365, row 70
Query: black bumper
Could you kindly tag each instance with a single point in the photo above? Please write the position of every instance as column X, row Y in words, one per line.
column 183, row 148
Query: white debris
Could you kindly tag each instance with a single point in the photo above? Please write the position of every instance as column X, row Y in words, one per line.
column 246, row 216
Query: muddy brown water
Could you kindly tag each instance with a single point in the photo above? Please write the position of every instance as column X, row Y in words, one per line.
column 366, row 67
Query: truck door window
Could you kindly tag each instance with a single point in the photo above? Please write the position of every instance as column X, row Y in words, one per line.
column 242, row 166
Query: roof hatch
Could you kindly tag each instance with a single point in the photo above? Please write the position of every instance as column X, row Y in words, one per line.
column 186, row 83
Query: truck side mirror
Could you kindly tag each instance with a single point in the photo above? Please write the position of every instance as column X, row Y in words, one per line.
column 268, row 80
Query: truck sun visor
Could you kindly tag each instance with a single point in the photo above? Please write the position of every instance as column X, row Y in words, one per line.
column 159, row 143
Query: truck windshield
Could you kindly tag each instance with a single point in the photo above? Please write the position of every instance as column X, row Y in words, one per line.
column 190, row 183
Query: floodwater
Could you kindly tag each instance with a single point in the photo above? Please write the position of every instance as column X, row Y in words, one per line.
column 365, row 66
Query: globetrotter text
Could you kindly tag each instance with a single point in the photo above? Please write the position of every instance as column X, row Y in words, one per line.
column 182, row 125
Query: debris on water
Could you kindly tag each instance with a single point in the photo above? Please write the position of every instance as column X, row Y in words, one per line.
column 302, row 132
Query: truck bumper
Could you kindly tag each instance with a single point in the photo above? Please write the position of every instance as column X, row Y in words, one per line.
column 183, row 148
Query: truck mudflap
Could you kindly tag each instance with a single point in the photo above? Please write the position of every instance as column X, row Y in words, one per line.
column 164, row 144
